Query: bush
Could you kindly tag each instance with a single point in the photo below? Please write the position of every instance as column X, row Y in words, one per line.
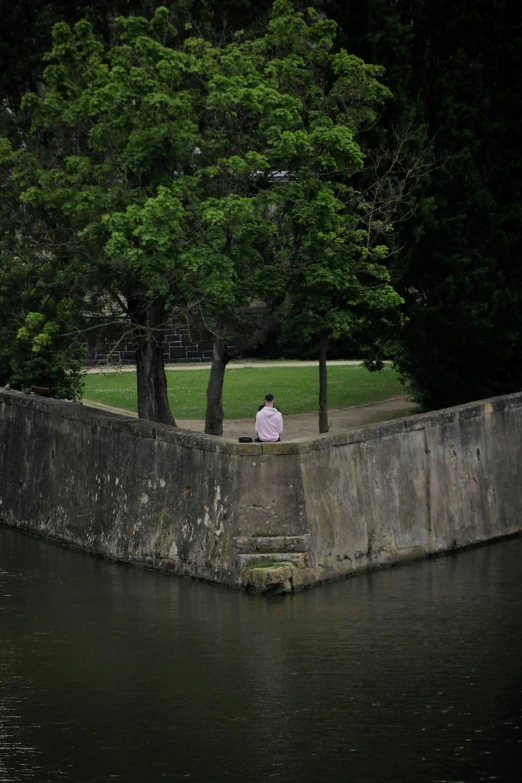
column 37, row 356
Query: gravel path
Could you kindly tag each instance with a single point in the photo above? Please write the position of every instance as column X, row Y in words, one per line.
column 232, row 366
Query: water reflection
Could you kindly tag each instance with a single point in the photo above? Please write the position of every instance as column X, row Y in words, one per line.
column 113, row 673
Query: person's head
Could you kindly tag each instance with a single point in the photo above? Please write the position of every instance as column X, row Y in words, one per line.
column 269, row 400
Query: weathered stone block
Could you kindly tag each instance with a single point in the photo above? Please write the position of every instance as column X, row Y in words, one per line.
column 177, row 353
column 252, row 544
column 298, row 559
column 274, row 581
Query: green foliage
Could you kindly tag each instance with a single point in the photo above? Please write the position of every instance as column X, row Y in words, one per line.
column 36, row 357
column 38, row 300
column 126, row 105
column 449, row 67
column 53, row 370
column 463, row 337
column 206, row 176
column 371, row 338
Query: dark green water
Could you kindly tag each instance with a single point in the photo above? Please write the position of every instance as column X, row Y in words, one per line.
column 112, row 673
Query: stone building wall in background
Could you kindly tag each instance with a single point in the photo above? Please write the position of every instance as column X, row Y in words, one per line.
column 179, row 346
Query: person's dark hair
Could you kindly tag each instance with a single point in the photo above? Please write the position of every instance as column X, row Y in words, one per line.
column 269, row 397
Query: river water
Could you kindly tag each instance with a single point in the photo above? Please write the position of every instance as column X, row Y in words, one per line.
column 113, row 673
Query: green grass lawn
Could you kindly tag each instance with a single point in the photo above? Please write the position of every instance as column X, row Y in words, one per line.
column 295, row 389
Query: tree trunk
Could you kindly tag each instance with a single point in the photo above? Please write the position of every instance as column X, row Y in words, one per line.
column 149, row 315
column 214, row 415
column 323, row 385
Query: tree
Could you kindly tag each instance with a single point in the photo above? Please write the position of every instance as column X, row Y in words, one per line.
column 454, row 262
column 162, row 159
column 463, row 337
column 21, row 264
column 320, row 241
column 113, row 134
column 39, row 301
column 449, row 67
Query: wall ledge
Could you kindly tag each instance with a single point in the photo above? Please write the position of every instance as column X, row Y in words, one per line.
column 190, row 439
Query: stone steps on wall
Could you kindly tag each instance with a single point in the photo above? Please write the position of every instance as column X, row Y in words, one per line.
column 272, row 564
column 253, row 550
column 297, row 559
column 271, row 544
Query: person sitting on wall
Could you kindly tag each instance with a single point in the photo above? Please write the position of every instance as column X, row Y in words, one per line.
column 269, row 422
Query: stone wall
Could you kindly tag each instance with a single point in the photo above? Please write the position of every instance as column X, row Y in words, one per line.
column 178, row 346
column 269, row 516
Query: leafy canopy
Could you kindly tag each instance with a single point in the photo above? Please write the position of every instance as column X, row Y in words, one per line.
column 208, row 175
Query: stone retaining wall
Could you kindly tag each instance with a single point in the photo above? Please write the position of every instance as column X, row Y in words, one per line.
column 274, row 517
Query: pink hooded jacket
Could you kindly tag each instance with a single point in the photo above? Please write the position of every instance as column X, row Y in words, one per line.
column 269, row 424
